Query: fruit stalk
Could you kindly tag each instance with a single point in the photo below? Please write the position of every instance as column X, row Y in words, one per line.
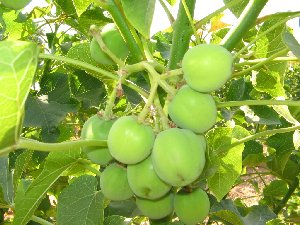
column 245, row 22
column 96, row 33
column 182, row 34
column 62, row 146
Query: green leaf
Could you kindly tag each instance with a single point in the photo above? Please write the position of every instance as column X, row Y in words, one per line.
column 172, row 2
column 13, row 29
column 82, row 52
column 41, row 113
column 229, row 217
column 292, row 43
column 6, row 182
column 284, row 111
column 121, row 208
column 67, row 6
column 230, row 167
column 140, row 14
column 259, row 215
column 18, row 62
column 56, row 87
column 268, row 82
column 81, row 5
column 26, row 202
column 237, row 9
column 115, row 220
column 265, row 115
column 81, row 203
column 253, row 153
column 87, row 89
column 277, row 188
column 236, row 90
column 21, row 163
column 272, row 43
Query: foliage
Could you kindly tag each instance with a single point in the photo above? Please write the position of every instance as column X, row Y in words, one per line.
column 51, row 85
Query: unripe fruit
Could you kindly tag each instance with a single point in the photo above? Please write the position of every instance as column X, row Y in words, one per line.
column 192, row 208
column 144, row 182
column 156, row 209
column 114, row 184
column 129, row 141
column 96, row 128
column 178, row 156
column 193, row 110
column 207, row 67
column 15, row 4
column 113, row 41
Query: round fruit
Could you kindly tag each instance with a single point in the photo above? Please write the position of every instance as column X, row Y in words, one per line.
column 114, row 184
column 113, row 41
column 96, row 128
column 156, row 209
column 192, row 110
column 144, row 182
column 15, row 4
column 192, row 208
column 178, row 156
column 207, row 67
column 129, row 141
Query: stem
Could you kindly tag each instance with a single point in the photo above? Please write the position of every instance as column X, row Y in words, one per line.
column 167, row 11
column 121, row 23
column 287, row 196
column 255, row 61
column 188, row 13
column 95, row 69
column 204, row 20
column 111, row 102
column 244, row 23
column 40, row 220
column 81, row 64
column 169, row 89
column 181, row 35
column 265, row 32
column 62, row 146
column 264, row 134
column 171, row 73
column 284, row 51
column 257, row 102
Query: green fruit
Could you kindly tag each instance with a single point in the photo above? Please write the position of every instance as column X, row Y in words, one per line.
column 178, row 156
column 207, row 67
column 192, row 110
column 156, row 209
column 192, row 208
column 114, row 184
column 129, row 141
column 96, row 128
column 15, row 4
column 113, row 41
column 144, row 182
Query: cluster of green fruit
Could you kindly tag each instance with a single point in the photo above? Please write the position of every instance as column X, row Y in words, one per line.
column 157, row 168
column 148, row 167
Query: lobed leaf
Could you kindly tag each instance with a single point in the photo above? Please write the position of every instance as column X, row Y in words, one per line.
column 18, row 62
